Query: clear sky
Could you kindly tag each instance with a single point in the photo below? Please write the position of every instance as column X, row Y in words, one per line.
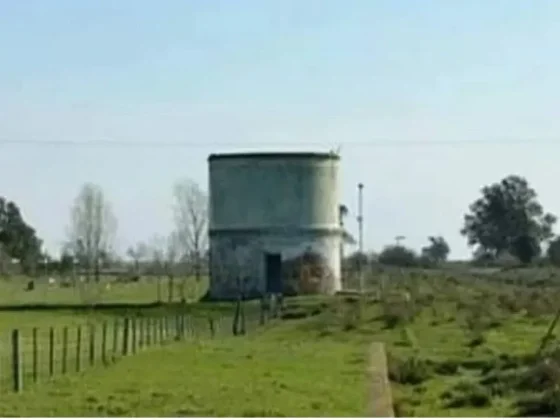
column 386, row 80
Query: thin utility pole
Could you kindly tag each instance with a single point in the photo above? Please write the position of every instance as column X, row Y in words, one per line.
column 361, row 233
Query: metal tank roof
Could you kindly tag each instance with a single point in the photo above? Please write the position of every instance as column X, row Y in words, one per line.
column 274, row 155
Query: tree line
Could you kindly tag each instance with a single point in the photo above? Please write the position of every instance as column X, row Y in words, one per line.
column 90, row 244
column 507, row 220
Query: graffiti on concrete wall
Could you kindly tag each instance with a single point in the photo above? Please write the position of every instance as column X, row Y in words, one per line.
column 307, row 264
column 306, row 273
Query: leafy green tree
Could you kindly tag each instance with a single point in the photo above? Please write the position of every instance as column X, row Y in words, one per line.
column 399, row 256
column 356, row 260
column 504, row 218
column 553, row 251
column 66, row 263
column 526, row 248
column 17, row 238
column 437, row 251
column 483, row 257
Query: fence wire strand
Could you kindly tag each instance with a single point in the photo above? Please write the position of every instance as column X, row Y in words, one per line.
column 36, row 355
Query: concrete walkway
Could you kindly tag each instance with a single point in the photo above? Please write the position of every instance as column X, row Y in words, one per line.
column 380, row 400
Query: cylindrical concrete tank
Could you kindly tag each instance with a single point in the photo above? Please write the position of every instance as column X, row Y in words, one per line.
column 274, row 223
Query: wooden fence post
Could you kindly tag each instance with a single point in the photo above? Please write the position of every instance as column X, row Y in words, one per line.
column 141, row 333
column 92, row 344
column 155, row 330
column 104, row 343
column 35, row 356
column 78, row 347
column 243, row 320
column 235, row 324
column 211, row 325
column 177, row 327
column 133, row 341
column 126, row 332
column 280, row 304
column 115, row 338
column 263, row 309
column 148, row 332
column 160, row 325
column 64, row 350
column 17, row 374
column 51, row 351
column 183, row 326
column 170, row 331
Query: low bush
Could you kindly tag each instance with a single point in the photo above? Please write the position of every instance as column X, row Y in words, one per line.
column 545, row 404
column 466, row 394
column 476, row 340
column 543, row 376
column 409, row 371
column 447, row 367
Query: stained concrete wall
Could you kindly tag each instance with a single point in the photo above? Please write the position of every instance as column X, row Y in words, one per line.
column 271, row 203
column 242, row 255
column 248, row 192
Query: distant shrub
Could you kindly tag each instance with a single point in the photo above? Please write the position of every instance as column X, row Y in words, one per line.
column 399, row 256
column 476, row 340
column 447, row 367
column 541, row 377
column 540, row 385
column 294, row 314
column 410, row 371
column 466, row 394
column 553, row 252
column 407, row 339
column 482, row 364
column 394, row 315
column 402, row 408
column 542, row 404
column 499, row 382
column 350, row 321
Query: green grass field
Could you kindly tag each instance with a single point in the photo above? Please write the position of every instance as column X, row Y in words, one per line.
column 73, row 327
column 457, row 344
column 82, row 340
column 12, row 291
column 279, row 372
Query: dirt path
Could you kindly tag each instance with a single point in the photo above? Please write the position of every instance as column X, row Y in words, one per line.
column 380, row 397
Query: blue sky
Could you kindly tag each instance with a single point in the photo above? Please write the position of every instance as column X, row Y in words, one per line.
column 385, row 80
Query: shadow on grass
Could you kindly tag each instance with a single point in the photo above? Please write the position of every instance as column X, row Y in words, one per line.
column 154, row 309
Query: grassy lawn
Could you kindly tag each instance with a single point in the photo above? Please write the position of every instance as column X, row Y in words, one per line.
column 77, row 330
column 146, row 290
column 261, row 375
column 458, row 346
column 464, row 347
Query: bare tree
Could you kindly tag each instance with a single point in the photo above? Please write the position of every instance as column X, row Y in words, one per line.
column 156, row 256
column 92, row 229
column 191, row 222
column 165, row 254
column 137, row 253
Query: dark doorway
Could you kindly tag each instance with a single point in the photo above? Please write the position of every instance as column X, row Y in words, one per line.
column 273, row 271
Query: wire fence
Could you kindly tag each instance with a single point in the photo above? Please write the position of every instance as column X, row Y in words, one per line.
column 32, row 356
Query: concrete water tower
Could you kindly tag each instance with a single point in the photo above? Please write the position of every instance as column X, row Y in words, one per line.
column 268, row 210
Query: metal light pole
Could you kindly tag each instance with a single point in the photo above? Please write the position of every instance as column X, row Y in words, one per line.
column 361, row 233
